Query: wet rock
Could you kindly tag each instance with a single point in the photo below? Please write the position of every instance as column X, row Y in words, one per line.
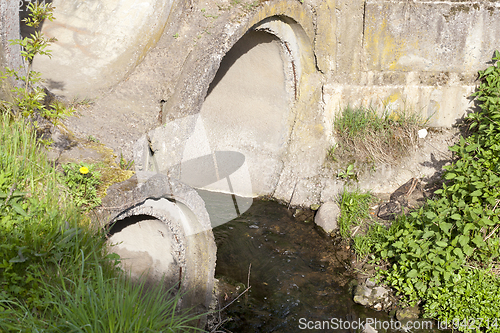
column 327, row 216
column 409, row 195
column 369, row 329
column 303, row 215
column 389, row 210
column 315, row 207
column 407, row 314
column 376, row 297
column 370, row 283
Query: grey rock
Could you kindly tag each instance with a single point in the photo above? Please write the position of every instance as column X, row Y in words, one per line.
column 371, row 283
column 377, row 297
column 327, row 216
column 409, row 313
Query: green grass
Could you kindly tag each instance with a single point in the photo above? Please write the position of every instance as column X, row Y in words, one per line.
column 55, row 272
column 367, row 135
column 354, row 209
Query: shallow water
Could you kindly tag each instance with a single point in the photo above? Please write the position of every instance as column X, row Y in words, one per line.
column 298, row 275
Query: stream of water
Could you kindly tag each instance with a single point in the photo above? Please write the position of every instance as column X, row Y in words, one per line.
column 298, row 274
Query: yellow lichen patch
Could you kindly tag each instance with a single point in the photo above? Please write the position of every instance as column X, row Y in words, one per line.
column 382, row 48
column 319, row 128
column 110, row 172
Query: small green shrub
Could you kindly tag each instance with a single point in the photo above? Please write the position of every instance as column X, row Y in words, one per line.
column 82, row 180
column 30, row 96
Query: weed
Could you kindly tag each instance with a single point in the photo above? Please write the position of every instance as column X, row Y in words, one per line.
column 31, row 97
column 91, row 138
column 82, row 181
column 176, row 35
column 348, row 173
column 363, row 244
column 116, row 304
column 124, row 164
column 76, row 102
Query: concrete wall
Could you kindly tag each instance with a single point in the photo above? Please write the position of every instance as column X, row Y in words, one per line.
column 422, row 53
column 99, row 43
column 9, row 29
column 162, row 57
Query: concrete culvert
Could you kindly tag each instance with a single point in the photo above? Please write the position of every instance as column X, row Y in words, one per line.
column 146, row 247
column 161, row 230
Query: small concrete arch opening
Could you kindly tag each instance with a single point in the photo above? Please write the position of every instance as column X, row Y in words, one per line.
column 163, row 233
column 147, row 248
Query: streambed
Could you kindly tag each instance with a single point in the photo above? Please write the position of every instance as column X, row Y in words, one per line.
column 298, row 274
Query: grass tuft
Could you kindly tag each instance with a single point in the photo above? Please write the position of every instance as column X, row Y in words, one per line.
column 354, row 209
column 366, row 135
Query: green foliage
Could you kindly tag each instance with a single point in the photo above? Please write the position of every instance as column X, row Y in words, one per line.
column 82, row 180
column 428, row 250
column 363, row 244
column 39, row 229
column 124, row 164
column 354, row 208
column 31, row 97
column 475, row 295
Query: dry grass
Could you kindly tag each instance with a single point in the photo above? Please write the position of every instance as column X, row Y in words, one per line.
column 367, row 136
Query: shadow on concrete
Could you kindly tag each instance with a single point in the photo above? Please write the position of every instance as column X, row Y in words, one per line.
column 250, row 40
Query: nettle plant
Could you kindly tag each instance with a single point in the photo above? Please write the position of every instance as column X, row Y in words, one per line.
column 29, row 96
column 446, row 254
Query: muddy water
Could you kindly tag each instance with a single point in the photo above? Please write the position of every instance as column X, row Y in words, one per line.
column 298, row 275
column 296, row 272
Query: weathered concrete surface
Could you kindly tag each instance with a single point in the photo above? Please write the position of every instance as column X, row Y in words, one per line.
column 99, row 43
column 421, row 54
column 357, row 52
column 163, row 228
column 9, row 54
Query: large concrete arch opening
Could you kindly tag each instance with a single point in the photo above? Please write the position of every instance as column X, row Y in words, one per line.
column 253, row 95
column 247, row 107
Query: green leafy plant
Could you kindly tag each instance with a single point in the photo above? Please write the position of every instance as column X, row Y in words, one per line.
column 31, row 97
column 348, row 173
column 82, row 180
column 124, row 164
column 364, row 243
column 92, row 138
column 443, row 254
